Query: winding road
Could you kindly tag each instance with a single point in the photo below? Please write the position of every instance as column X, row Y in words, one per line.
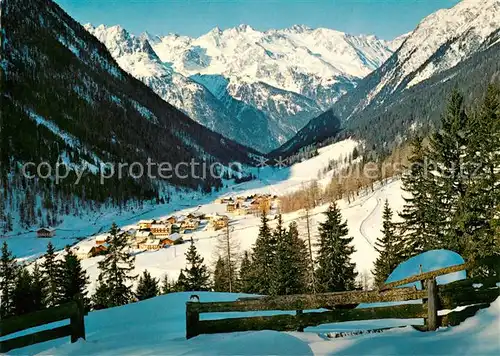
column 362, row 228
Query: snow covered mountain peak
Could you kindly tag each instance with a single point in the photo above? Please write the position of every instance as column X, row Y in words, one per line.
column 298, row 28
column 216, row 110
column 243, row 28
column 292, row 59
column 240, row 78
column 152, row 39
column 458, row 31
column 133, row 54
column 398, row 41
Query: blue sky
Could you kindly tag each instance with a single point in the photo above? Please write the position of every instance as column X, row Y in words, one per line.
column 384, row 18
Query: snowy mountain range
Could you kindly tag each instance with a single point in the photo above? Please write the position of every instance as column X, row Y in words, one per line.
column 246, row 84
column 451, row 48
column 298, row 59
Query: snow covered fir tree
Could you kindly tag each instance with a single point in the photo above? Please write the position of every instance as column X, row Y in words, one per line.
column 115, row 269
column 335, row 271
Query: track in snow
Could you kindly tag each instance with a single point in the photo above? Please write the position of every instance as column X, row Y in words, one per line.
column 362, row 229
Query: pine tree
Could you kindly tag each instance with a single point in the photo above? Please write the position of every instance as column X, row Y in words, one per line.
column 279, row 232
column 291, row 264
column 166, row 285
column 38, row 287
column 263, row 258
column 483, row 196
column 74, row 279
column 311, row 280
column 147, row 287
column 388, row 258
column 181, row 285
column 52, row 274
column 335, row 270
column 8, row 273
column 100, row 298
column 3, row 218
column 23, row 301
column 448, row 154
column 227, row 248
column 419, row 230
column 221, row 278
column 197, row 275
column 114, row 287
column 245, row 276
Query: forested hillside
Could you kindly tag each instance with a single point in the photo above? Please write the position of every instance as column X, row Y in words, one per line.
column 383, row 126
column 420, row 106
column 65, row 100
column 450, row 181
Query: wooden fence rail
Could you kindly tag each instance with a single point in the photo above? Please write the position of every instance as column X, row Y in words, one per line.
column 309, row 301
column 76, row 328
column 302, row 320
column 477, row 292
column 298, row 303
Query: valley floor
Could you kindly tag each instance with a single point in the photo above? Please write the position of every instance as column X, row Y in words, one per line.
column 26, row 245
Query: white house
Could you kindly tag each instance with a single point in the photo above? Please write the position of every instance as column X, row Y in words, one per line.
column 87, row 251
column 151, row 245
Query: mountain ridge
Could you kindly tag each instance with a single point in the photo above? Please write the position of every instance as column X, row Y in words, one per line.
column 278, row 108
column 435, row 49
column 242, row 52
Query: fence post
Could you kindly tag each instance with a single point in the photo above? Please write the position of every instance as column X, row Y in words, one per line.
column 423, row 283
column 298, row 316
column 77, row 320
column 432, row 304
column 192, row 319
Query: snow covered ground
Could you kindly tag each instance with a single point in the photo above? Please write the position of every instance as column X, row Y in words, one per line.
column 364, row 220
column 476, row 336
column 157, row 327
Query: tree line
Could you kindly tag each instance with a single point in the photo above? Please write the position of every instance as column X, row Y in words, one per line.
column 49, row 283
column 60, row 279
column 452, row 190
column 450, row 180
column 354, row 174
column 280, row 262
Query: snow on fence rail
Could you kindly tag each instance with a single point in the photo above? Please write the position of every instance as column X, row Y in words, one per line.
column 76, row 328
column 341, row 304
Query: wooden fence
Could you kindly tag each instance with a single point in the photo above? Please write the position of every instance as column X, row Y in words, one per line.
column 477, row 292
column 76, row 328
